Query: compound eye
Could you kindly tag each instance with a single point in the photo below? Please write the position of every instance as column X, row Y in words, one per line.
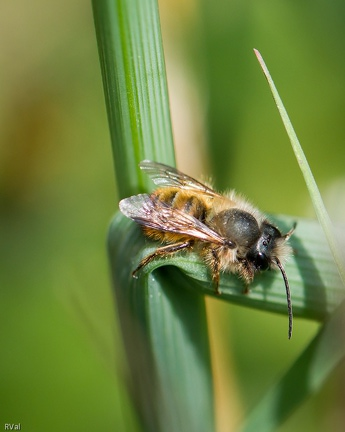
column 261, row 261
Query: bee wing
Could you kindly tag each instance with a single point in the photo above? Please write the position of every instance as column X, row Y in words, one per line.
column 164, row 175
column 160, row 216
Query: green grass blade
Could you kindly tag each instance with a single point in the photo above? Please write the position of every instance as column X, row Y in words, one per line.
column 314, row 280
column 304, row 378
column 327, row 350
column 165, row 333
column 135, row 87
column 163, row 323
column 315, row 195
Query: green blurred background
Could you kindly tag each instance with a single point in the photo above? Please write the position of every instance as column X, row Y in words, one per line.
column 61, row 362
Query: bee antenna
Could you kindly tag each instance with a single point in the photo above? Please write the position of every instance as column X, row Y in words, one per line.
column 288, row 295
column 289, row 234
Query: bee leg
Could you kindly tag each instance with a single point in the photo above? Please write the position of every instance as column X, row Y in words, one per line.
column 162, row 252
column 247, row 275
column 246, row 289
column 215, row 271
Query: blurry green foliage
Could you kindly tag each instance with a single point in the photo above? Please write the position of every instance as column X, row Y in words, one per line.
column 59, row 338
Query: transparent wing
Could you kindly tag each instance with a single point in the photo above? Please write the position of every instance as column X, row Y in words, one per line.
column 164, row 175
column 158, row 215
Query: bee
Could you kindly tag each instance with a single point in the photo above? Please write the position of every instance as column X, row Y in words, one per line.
column 228, row 232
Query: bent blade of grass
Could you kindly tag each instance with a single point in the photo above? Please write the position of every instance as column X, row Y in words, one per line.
column 314, row 192
column 163, row 324
column 313, row 276
column 314, row 281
